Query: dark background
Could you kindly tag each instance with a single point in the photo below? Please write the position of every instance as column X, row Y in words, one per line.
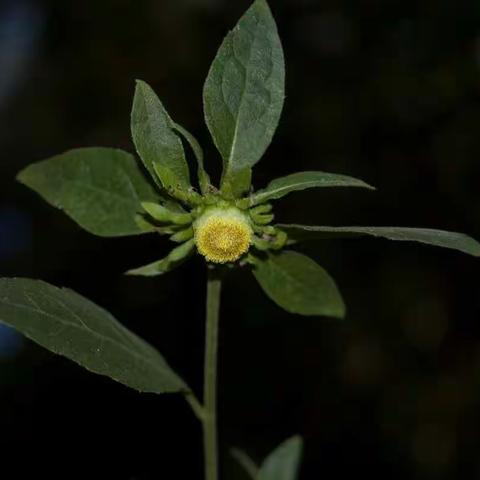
column 388, row 91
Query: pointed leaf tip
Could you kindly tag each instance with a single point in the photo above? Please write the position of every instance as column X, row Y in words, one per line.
column 284, row 462
column 282, row 186
column 439, row 238
column 68, row 324
column 244, row 93
column 157, row 144
column 174, row 259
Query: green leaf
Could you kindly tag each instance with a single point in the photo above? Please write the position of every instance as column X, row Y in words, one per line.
column 236, row 185
column 68, row 324
column 284, row 462
column 100, row 188
column 244, row 93
column 159, row 147
column 245, row 462
column 280, row 187
column 439, row 238
column 203, row 177
column 175, row 258
column 299, row 285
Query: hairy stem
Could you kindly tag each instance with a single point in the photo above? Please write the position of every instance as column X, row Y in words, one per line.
column 210, row 379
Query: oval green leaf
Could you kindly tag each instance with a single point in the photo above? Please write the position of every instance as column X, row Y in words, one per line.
column 284, row 462
column 159, row 147
column 280, row 187
column 299, row 285
column 100, row 188
column 244, row 93
column 66, row 323
column 438, row 238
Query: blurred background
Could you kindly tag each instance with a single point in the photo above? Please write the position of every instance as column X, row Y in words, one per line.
column 384, row 90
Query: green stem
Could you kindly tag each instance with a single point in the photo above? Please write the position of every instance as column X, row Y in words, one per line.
column 210, row 380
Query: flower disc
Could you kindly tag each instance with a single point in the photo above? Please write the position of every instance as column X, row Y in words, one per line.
column 223, row 235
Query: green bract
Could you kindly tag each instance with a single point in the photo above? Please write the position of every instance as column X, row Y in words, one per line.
column 109, row 193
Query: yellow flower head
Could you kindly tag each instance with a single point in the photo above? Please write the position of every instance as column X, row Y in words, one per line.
column 223, row 234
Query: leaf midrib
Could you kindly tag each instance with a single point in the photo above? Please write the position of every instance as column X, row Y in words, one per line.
column 306, row 184
column 99, row 190
column 94, row 333
column 240, row 108
column 300, row 284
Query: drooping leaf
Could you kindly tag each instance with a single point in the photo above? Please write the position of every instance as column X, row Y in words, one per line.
column 299, row 285
column 284, row 462
column 66, row 323
column 175, row 258
column 100, row 188
column 159, row 147
column 439, row 238
column 244, row 93
column 280, row 187
column 203, row 177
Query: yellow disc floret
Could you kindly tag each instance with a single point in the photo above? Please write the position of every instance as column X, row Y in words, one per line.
column 223, row 235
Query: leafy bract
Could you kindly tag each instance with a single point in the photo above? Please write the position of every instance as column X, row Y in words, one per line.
column 203, row 177
column 164, row 214
column 68, row 324
column 100, row 188
column 439, row 238
column 159, row 147
column 284, row 462
column 244, row 93
column 280, row 187
column 299, row 285
column 176, row 257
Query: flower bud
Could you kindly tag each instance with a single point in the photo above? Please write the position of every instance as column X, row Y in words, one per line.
column 223, row 235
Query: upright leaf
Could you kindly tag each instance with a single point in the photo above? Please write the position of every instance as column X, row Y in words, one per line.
column 159, row 147
column 203, row 177
column 299, row 285
column 68, row 324
column 100, row 188
column 439, row 238
column 284, row 462
column 245, row 462
column 244, row 92
column 280, row 187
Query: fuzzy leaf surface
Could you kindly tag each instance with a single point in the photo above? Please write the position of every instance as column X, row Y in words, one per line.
column 299, row 285
column 244, row 93
column 100, row 188
column 68, row 324
column 159, row 147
